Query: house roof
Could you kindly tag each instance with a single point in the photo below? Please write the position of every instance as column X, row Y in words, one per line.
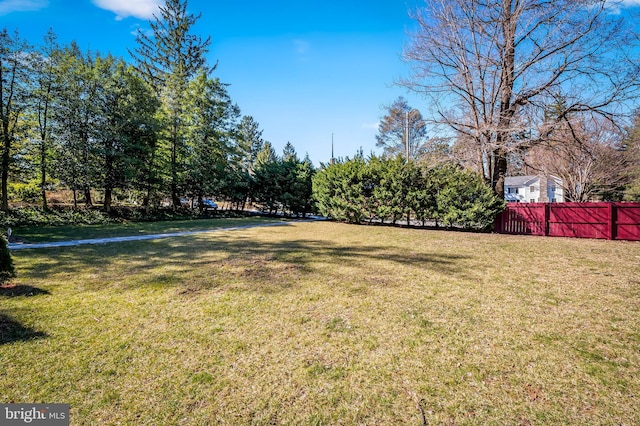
column 519, row 180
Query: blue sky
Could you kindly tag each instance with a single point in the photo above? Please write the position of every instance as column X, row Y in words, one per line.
column 304, row 69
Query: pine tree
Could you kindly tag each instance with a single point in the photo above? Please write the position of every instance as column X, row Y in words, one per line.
column 74, row 117
column 44, row 68
column 14, row 98
column 212, row 122
column 123, row 128
column 249, row 143
column 168, row 60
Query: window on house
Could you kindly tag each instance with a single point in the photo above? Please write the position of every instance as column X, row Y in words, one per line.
column 553, row 200
column 509, row 190
column 533, row 200
column 532, row 188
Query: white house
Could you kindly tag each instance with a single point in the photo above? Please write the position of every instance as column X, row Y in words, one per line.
column 533, row 189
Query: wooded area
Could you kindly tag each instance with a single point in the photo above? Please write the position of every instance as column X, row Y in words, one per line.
column 531, row 86
column 514, row 87
column 158, row 128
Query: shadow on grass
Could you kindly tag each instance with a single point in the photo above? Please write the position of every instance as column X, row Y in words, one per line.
column 12, row 331
column 246, row 257
column 21, row 290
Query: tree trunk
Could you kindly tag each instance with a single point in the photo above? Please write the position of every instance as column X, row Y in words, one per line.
column 110, row 180
column 499, row 172
column 107, row 199
column 5, row 179
column 507, row 108
column 5, row 175
column 43, row 156
column 43, row 191
column 87, row 196
column 174, row 165
column 43, row 171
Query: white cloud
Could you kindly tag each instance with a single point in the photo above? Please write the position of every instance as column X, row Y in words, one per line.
column 143, row 9
column 8, row 6
column 616, row 6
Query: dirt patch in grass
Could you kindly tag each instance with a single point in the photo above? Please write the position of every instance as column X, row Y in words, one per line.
column 324, row 323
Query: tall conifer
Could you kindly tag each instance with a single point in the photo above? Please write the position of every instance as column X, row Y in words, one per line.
column 168, row 59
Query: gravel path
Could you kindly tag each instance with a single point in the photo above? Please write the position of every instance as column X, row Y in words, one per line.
column 13, row 246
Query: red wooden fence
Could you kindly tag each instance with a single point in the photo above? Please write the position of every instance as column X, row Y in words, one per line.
column 611, row 221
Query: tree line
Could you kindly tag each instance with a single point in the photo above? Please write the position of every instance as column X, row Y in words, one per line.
column 393, row 190
column 527, row 87
column 594, row 159
column 157, row 127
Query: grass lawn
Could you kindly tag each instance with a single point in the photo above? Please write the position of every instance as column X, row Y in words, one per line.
column 325, row 323
column 45, row 234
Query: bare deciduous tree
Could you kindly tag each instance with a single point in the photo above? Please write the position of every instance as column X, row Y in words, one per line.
column 632, row 152
column 587, row 155
column 400, row 125
column 488, row 65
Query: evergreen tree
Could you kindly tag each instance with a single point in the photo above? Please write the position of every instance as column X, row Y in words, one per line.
column 212, row 121
column 303, row 187
column 391, row 189
column 123, row 126
column 44, row 64
column 74, row 118
column 289, row 153
column 266, row 155
column 168, row 59
column 464, row 199
column 249, row 143
column 339, row 192
column 14, row 101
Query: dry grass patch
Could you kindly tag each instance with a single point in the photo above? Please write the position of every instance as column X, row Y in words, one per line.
column 324, row 323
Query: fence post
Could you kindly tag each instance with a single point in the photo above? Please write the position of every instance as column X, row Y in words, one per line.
column 547, row 214
column 497, row 224
column 612, row 221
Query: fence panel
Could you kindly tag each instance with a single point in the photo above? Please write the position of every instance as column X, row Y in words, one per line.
column 628, row 221
column 578, row 220
column 525, row 219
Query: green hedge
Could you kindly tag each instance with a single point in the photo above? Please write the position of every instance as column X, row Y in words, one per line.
column 390, row 190
column 28, row 216
column 59, row 216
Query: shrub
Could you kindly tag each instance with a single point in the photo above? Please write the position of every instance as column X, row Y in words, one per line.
column 7, row 270
column 463, row 199
column 26, row 192
column 390, row 189
column 338, row 191
column 34, row 216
